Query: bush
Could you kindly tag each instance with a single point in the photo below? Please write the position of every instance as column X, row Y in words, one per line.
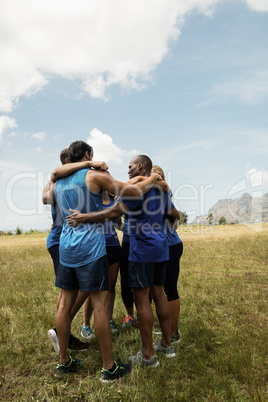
column 19, row 231
column 222, row 221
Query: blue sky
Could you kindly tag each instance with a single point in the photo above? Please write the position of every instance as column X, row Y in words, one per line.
column 185, row 82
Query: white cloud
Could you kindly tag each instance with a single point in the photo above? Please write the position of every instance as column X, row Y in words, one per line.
column 6, row 122
column 258, row 5
column 39, row 136
column 105, row 150
column 99, row 43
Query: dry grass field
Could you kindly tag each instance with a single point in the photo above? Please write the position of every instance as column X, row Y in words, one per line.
column 223, row 354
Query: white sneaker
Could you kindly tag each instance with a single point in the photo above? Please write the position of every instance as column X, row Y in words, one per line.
column 168, row 351
column 87, row 333
column 139, row 360
column 53, row 337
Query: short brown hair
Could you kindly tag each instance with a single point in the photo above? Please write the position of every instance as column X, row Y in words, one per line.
column 63, row 155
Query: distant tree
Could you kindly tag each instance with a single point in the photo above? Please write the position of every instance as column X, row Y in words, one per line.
column 210, row 218
column 19, row 231
column 183, row 219
column 222, row 221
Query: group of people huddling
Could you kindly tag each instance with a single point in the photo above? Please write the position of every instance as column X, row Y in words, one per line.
column 87, row 204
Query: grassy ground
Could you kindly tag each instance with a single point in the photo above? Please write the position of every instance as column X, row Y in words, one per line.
column 223, row 352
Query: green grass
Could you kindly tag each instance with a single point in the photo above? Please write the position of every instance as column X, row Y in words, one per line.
column 223, row 352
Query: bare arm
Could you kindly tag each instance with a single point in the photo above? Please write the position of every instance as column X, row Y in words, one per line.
column 137, row 179
column 173, row 215
column 161, row 184
column 107, row 214
column 96, row 180
column 69, row 168
column 48, row 194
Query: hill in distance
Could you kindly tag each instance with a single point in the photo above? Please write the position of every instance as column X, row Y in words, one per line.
column 245, row 209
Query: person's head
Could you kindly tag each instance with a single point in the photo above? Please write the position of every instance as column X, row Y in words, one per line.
column 64, row 156
column 140, row 165
column 80, row 150
column 159, row 170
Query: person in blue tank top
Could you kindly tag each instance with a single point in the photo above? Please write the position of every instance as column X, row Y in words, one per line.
column 83, row 261
column 53, row 241
column 149, row 252
column 172, row 272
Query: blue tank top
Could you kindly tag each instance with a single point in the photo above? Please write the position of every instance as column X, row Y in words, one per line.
column 109, row 229
column 54, row 236
column 84, row 243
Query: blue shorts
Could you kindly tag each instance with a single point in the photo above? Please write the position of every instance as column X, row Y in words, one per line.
column 91, row 277
column 54, row 252
column 145, row 274
column 114, row 254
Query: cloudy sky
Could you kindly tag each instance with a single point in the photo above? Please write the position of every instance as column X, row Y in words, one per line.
column 183, row 81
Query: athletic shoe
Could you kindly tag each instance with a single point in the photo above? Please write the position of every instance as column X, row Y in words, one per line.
column 76, row 344
column 175, row 338
column 71, row 366
column 113, row 327
column 53, row 337
column 129, row 320
column 139, row 360
column 87, row 333
column 120, row 370
column 168, row 352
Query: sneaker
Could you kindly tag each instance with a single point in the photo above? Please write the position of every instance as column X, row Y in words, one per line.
column 139, row 359
column 175, row 338
column 53, row 337
column 168, row 352
column 71, row 366
column 76, row 344
column 129, row 320
column 87, row 333
column 113, row 327
column 120, row 370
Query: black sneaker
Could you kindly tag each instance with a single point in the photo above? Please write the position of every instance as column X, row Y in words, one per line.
column 73, row 365
column 76, row 344
column 120, row 370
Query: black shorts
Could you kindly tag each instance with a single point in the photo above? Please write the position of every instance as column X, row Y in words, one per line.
column 145, row 274
column 114, row 254
column 55, row 255
column 91, row 277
